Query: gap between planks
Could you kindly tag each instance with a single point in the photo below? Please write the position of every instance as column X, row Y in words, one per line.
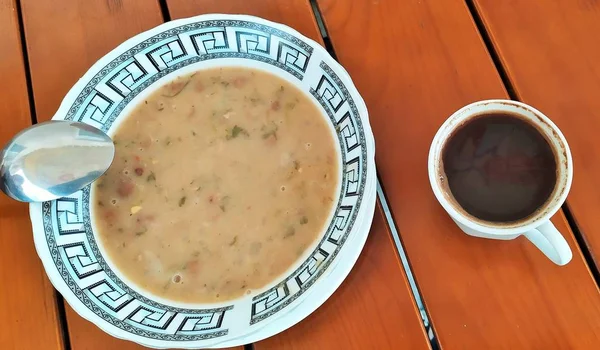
column 416, row 295
column 59, row 301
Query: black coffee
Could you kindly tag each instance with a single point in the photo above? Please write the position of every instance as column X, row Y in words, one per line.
column 499, row 167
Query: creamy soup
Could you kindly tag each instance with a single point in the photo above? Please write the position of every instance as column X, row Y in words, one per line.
column 221, row 180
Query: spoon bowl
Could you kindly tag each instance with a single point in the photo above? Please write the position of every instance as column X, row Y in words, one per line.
column 53, row 159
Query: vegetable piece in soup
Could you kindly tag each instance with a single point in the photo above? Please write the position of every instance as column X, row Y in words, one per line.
column 221, row 180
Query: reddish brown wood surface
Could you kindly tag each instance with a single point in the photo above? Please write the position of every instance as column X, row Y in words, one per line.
column 373, row 308
column 416, row 62
column 28, row 310
column 550, row 51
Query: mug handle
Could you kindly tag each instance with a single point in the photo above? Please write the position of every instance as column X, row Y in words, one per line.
column 549, row 240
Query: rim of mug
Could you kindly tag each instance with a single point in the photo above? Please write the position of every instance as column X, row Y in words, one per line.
column 553, row 135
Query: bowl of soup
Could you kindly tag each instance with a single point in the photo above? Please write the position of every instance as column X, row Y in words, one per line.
column 243, row 175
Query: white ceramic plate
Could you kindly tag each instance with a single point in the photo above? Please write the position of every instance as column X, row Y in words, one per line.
column 64, row 231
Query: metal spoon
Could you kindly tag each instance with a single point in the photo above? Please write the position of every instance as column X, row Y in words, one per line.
column 53, row 159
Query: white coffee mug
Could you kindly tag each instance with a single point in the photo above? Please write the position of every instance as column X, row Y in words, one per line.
column 536, row 227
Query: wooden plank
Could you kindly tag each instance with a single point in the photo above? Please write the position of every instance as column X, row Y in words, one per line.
column 27, row 298
column 416, row 62
column 374, row 305
column 552, row 61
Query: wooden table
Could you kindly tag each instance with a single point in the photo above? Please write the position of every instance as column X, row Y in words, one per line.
column 420, row 283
